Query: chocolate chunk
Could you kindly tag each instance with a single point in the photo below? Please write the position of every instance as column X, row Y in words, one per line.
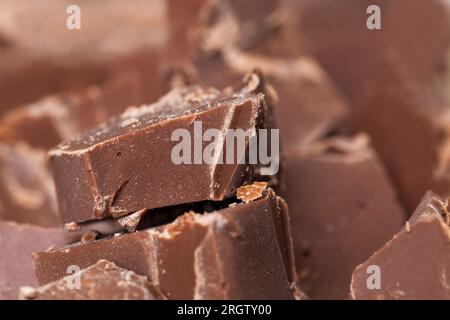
column 414, row 263
column 27, row 192
column 17, row 243
column 216, row 255
column 62, row 116
column 342, row 207
column 101, row 281
column 126, row 164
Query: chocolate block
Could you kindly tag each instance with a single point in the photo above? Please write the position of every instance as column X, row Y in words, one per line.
column 17, row 242
column 126, row 164
column 342, row 206
column 216, row 255
column 414, row 263
column 101, row 281
column 62, row 116
column 27, row 192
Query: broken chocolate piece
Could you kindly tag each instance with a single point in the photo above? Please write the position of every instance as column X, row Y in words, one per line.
column 413, row 265
column 216, row 255
column 342, row 207
column 251, row 192
column 17, row 243
column 27, row 193
column 101, row 281
column 131, row 221
column 127, row 164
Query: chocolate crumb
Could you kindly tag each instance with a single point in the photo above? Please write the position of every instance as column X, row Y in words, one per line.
column 251, row 192
column 71, row 226
column 89, row 236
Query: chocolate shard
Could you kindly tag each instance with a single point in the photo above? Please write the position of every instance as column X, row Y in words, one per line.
column 199, row 256
column 413, row 265
column 101, row 281
column 130, row 163
column 251, row 192
column 17, row 243
column 27, row 193
column 343, row 206
column 60, row 117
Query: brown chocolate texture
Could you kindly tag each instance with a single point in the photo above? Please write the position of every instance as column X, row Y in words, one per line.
column 17, row 243
column 414, row 263
column 211, row 256
column 34, row 64
column 27, row 193
column 60, row 117
column 389, row 81
column 308, row 104
column 343, row 206
column 100, row 173
column 101, row 281
column 415, row 152
column 334, row 31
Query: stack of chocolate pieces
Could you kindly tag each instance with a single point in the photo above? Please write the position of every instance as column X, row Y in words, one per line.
column 218, row 226
column 119, row 181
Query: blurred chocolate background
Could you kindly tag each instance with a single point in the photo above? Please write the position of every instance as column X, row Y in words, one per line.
column 363, row 114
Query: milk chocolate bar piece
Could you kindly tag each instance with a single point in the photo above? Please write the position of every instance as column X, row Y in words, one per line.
column 101, row 281
column 17, row 242
column 60, row 117
column 241, row 252
column 342, row 206
column 413, row 265
column 27, row 193
column 129, row 163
